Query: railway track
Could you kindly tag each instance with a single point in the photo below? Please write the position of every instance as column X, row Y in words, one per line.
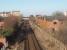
column 31, row 42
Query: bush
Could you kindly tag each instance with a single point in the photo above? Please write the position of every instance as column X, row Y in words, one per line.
column 7, row 32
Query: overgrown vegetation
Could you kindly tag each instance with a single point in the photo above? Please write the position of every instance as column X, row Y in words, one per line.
column 61, row 34
column 9, row 25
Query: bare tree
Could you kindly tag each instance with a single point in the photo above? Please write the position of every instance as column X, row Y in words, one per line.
column 58, row 15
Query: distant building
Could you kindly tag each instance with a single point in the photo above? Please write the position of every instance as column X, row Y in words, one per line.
column 16, row 13
column 4, row 14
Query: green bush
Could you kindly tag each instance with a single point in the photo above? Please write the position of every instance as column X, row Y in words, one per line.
column 7, row 32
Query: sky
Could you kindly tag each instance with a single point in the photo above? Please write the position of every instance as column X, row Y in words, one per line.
column 29, row 7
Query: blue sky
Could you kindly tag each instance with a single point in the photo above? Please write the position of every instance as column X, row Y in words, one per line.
column 28, row 7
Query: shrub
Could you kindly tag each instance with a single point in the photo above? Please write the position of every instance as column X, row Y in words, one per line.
column 7, row 32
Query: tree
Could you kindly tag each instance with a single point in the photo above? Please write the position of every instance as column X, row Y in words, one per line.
column 10, row 23
column 58, row 15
